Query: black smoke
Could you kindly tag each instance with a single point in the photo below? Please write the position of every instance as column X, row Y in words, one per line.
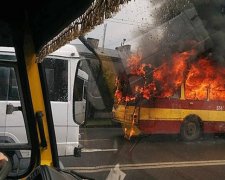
column 182, row 25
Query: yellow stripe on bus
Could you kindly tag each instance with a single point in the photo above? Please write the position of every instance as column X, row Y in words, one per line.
column 146, row 114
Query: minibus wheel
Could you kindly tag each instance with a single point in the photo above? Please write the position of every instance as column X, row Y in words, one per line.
column 191, row 128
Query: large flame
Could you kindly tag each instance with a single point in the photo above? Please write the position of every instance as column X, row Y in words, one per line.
column 203, row 79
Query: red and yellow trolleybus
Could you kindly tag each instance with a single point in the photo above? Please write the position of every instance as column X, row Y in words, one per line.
column 180, row 97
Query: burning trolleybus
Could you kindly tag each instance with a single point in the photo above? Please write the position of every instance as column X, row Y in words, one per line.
column 181, row 96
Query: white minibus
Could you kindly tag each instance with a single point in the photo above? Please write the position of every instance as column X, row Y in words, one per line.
column 67, row 85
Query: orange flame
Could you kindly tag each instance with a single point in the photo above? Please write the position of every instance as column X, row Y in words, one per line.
column 205, row 80
column 202, row 78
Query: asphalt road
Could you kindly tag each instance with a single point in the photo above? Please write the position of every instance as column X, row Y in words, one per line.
column 106, row 153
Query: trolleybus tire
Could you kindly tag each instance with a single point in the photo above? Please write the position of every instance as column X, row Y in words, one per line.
column 191, row 128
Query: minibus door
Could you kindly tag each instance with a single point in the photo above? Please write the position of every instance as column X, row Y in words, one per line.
column 57, row 81
column 15, row 127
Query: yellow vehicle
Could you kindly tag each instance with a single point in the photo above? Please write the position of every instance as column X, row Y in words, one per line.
column 36, row 29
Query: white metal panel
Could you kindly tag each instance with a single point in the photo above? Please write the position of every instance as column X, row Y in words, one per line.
column 15, row 123
column 66, row 51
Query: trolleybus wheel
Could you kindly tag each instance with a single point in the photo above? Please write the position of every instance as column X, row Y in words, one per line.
column 191, row 128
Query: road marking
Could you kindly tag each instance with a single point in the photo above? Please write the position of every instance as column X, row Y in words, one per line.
column 97, row 150
column 148, row 166
column 87, row 140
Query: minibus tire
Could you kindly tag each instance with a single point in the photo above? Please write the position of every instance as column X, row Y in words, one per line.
column 191, row 128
